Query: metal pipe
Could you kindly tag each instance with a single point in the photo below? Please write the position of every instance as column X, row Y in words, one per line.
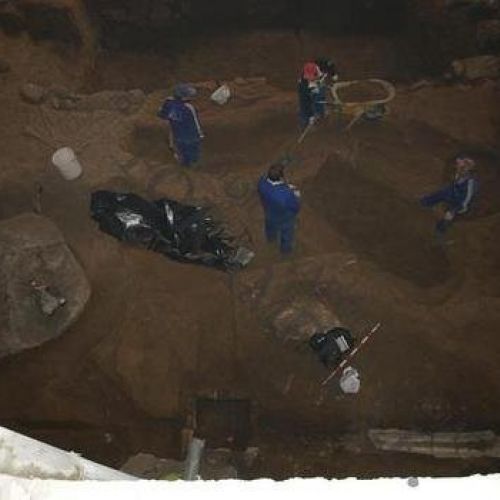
column 193, row 459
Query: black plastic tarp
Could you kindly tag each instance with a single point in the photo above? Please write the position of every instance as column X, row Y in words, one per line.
column 183, row 232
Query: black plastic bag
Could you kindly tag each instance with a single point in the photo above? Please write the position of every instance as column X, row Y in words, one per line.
column 333, row 345
column 182, row 232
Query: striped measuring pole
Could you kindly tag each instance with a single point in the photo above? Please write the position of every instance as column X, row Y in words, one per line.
column 353, row 353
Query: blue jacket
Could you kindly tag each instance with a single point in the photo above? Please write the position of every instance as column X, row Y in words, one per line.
column 278, row 199
column 464, row 190
column 183, row 120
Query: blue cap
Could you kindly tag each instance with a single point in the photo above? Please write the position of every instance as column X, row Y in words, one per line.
column 184, row 91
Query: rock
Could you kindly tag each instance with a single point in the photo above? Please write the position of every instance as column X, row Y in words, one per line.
column 137, row 96
column 488, row 33
column 43, row 288
column 302, row 319
column 250, row 455
column 63, row 104
column 60, row 92
column 123, row 101
column 215, row 465
column 147, row 466
column 33, row 93
column 4, row 66
column 61, row 98
column 474, row 68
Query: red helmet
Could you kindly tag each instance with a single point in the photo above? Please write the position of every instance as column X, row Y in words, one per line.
column 311, row 71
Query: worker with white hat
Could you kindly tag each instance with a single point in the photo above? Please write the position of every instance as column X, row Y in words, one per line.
column 185, row 129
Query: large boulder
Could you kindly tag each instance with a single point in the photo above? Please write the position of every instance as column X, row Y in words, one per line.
column 475, row 68
column 33, row 93
column 43, row 288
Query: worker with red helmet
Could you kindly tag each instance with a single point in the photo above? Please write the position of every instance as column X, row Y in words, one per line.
column 312, row 90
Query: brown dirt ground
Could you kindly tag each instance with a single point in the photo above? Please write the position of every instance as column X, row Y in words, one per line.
column 157, row 334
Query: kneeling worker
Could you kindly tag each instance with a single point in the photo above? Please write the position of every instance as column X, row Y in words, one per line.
column 457, row 196
column 281, row 203
column 185, row 129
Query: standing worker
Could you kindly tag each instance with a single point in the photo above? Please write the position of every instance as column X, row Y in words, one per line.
column 312, row 90
column 308, row 90
column 457, row 196
column 281, row 203
column 185, row 128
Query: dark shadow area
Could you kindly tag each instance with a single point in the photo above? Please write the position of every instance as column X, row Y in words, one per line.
column 379, row 224
column 159, row 25
column 45, row 22
column 224, row 423
column 42, row 21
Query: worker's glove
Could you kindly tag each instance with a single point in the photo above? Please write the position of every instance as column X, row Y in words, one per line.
column 449, row 216
column 335, row 78
column 312, row 120
column 296, row 192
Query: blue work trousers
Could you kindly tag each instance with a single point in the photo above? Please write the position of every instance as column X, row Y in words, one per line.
column 315, row 108
column 319, row 102
column 189, row 152
column 285, row 230
column 446, row 196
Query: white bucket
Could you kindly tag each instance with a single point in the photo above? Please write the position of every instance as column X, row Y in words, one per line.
column 221, row 95
column 67, row 163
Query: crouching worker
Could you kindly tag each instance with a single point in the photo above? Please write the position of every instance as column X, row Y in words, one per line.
column 281, row 203
column 457, row 197
column 185, row 129
column 315, row 79
column 309, row 93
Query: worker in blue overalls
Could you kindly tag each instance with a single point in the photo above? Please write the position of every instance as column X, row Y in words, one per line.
column 185, row 128
column 281, row 203
column 457, row 196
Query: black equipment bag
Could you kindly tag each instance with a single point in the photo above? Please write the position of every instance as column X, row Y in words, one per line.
column 333, row 345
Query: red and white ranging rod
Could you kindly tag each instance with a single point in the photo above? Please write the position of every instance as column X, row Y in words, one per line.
column 353, row 353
